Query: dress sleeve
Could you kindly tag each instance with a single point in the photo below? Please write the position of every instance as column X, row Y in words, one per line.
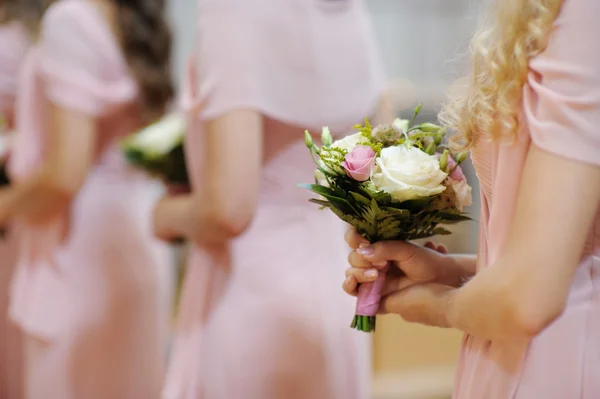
column 81, row 63
column 562, row 98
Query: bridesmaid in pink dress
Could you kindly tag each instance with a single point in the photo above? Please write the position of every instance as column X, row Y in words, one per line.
column 259, row 315
column 85, row 289
column 531, row 311
column 14, row 43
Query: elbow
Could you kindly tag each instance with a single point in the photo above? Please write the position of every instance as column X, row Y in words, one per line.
column 531, row 317
column 50, row 187
column 232, row 226
column 220, row 227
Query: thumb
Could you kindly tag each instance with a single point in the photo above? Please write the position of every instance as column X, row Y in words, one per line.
column 399, row 251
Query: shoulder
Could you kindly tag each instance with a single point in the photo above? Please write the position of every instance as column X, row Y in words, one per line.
column 70, row 13
column 76, row 32
column 76, row 21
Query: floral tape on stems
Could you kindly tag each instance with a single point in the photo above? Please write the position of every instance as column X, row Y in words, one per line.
column 391, row 182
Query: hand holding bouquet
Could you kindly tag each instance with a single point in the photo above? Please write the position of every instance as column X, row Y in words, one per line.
column 158, row 149
column 391, row 182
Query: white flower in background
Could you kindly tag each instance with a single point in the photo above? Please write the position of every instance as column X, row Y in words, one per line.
column 349, row 142
column 408, row 173
column 160, row 137
column 462, row 190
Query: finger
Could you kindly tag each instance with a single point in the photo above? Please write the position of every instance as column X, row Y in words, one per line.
column 398, row 251
column 430, row 245
column 393, row 285
column 354, row 239
column 350, row 285
column 362, row 275
column 441, row 248
column 357, row 260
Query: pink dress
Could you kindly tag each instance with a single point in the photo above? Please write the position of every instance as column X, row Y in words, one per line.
column 561, row 110
column 14, row 43
column 278, row 325
column 89, row 305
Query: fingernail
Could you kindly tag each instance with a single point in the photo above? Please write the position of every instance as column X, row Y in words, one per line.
column 365, row 251
column 381, row 263
column 371, row 274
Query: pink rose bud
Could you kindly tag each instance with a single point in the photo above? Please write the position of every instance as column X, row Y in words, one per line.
column 457, row 174
column 359, row 162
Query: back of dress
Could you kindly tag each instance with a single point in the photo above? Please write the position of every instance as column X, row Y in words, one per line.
column 14, row 43
column 92, row 297
column 281, row 332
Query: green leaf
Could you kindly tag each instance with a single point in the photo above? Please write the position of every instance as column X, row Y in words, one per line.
column 360, row 199
column 440, row 231
column 321, row 202
column 397, row 213
column 449, row 217
column 389, row 228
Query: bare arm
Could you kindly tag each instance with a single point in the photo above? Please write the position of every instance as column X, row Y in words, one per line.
column 528, row 287
column 48, row 192
column 232, row 160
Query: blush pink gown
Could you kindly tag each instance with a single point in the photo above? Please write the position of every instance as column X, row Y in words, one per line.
column 89, row 306
column 278, row 325
column 14, row 43
column 561, row 111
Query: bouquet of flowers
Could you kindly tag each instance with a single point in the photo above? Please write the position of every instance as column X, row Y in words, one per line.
column 158, row 149
column 391, row 182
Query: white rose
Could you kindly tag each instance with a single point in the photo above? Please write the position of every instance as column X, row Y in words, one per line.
column 463, row 193
column 408, row 173
column 349, row 142
column 160, row 137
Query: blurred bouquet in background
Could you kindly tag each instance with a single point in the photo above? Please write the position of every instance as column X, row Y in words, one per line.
column 5, row 140
column 5, row 144
column 391, row 182
column 158, row 149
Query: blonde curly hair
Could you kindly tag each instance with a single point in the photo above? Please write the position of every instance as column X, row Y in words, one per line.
column 487, row 101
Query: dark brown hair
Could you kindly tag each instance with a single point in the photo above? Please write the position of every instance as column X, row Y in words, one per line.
column 146, row 41
column 145, row 38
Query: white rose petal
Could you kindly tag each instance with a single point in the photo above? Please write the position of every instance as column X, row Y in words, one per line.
column 464, row 197
column 349, row 142
column 408, row 173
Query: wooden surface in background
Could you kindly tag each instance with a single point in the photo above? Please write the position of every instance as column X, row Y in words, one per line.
column 400, row 346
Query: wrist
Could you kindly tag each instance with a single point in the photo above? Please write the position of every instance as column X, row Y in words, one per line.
column 456, row 269
column 165, row 219
column 448, row 306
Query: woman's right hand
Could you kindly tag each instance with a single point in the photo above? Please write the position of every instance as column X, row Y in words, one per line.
column 409, row 264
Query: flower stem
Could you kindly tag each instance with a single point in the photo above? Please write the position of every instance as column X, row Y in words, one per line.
column 364, row 323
